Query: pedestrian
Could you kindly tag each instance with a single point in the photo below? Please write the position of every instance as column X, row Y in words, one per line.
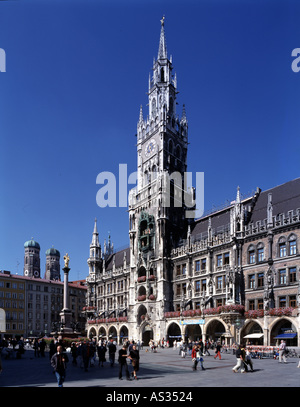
column 218, row 350
column 101, row 350
column 52, row 349
column 249, row 359
column 36, row 348
column 74, row 353
column 134, row 355
column 201, row 346
column 111, row 352
column 123, row 363
column 239, row 360
column 282, row 350
column 194, row 357
column 206, row 347
column 42, row 345
column 59, row 363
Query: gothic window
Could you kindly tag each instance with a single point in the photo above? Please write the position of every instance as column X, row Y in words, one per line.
column 203, row 285
column 251, row 254
column 282, row 247
column 197, row 286
column 197, row 265
column 162, row 75
column 292, row 245
column 260, row 252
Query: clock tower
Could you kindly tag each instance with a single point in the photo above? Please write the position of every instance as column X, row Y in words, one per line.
column 156, row 206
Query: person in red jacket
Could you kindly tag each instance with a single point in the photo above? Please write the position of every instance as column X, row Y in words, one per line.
column 196, row 357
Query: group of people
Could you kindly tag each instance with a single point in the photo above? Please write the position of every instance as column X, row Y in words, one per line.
column 84, row 354
column 243, row 360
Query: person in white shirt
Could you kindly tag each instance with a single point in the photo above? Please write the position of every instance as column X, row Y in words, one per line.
column 282, row 347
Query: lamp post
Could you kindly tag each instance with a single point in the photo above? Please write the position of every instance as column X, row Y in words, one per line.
column 238, row 324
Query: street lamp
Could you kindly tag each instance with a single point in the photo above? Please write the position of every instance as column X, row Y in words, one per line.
column 238, row 324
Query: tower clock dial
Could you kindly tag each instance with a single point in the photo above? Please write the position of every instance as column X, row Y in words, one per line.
column 150, row 148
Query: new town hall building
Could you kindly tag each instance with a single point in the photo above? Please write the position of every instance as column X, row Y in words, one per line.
column 231, row 275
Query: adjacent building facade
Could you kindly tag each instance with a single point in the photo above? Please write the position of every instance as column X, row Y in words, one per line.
column 33, row 304
column 232, row 274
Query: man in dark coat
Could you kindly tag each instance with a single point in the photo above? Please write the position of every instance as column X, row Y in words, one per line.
column 59, row 363
column 111, row 352
column 123, row 363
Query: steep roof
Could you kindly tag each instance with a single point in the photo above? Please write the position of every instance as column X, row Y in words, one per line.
column 119, row 258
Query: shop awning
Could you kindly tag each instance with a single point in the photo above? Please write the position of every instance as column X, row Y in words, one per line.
column 254, row 336
column 286, row 336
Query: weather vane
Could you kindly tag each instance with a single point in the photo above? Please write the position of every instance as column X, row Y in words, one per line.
column 162, row 21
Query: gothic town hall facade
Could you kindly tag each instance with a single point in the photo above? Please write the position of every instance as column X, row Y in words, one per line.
column 231, row 275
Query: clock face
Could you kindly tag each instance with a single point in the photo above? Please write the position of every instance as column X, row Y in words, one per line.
column 150, row 148
column 36, row 273
column 26, row 272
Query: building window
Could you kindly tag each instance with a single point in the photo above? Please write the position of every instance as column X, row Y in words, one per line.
column 184, row 269
column 260, row 280
column 197, row 265
column 282, row 276
column 260, row 303
column 251, row 304
column 226, row 258
column 292, row 247
column 219, row 260
column 260, row 254
column 251, row 256
column 282, row 302
column 203, row 285
column 293, row 275
column 252, row 281
column 197, row 286
column 293, row 301
column 219, row 283
column 282, row 249
column 203, row 264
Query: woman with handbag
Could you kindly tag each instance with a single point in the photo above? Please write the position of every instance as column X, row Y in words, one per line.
column 134, row 355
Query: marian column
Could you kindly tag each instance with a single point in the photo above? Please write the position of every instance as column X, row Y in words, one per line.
column 66, row 314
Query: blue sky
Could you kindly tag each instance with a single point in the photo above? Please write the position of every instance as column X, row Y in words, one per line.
column 76, row 75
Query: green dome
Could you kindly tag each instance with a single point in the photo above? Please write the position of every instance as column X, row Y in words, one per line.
column 32, row 243
column 52, row 252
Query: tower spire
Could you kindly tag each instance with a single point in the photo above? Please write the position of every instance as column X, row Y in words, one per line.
column 162, row 49
column 95, row 240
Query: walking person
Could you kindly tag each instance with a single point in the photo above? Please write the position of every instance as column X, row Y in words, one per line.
column 101, row 350
column 59, row 363
column 206, row 347
column 282, row 350
column 239, row 361
column 134, row 355
column 112, row 352
column 123, row 363
column 218, row 350
column 195, row 350
column 249, row 359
